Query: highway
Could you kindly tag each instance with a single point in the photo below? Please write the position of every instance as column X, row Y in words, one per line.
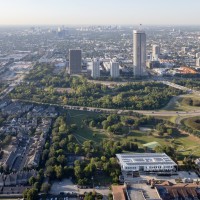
column 119, row 111
column 180, row 87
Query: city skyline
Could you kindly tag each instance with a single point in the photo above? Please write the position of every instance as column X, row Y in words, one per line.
column 78, row 12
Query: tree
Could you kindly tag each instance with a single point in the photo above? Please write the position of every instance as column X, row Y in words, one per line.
column 169, row 131
column 77, row 150
column 32, row 180
column 110, row 196
column 36, row 186
column 61, row 159
column 58, row 171
column 89, row 196
column 45, row 187
column 49, row 172
column 25, row 193
column 32, row 194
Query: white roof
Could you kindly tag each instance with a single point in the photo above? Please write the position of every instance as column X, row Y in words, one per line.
column 132, row 159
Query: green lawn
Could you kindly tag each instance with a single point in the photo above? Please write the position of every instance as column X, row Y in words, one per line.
column 83, row 131
column 178, row 104
column 186, row 144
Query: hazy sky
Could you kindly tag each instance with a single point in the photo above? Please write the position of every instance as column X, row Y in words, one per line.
column 99, row 12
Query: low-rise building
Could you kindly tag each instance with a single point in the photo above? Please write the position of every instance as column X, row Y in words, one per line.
column 149, row 162
column 170, row 191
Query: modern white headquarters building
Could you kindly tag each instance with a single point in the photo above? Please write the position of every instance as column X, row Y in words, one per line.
column 147, row 162
column 95, row 68
column 139, row 53
column 114, row 69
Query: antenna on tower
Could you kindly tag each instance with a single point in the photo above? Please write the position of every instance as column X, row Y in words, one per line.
column 140, row 27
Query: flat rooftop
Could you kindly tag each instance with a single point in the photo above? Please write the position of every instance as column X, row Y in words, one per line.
column 132, row 159
column 118, row 192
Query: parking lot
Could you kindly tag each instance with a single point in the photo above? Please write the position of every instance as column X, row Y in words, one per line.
column 65, row 186
column 58, row 197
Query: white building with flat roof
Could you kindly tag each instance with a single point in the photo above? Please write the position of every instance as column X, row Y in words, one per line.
column 155, row 52
column 198, row 62
column 149, row 162
column 95, row 68
column 114, row 69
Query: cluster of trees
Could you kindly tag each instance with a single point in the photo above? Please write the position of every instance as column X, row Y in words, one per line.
column 169, row 150
column 162, row 128
column 110, row 148
column 37, row 186
column 139, row 95
column 43, row 76
column 112, row 123
column 93, row 196
column 54, row 155
column 120, row 124
column 190, row 83
column 99, row 158
column 85, row 171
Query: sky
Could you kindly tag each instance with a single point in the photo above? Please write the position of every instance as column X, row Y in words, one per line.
column 94, row 12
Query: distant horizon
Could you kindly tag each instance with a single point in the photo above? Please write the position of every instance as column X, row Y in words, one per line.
column 87, row 25
column 99, row 12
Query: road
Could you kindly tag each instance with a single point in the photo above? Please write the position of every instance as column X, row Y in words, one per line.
column 180, row 87
column 119, row 111
column 161, row 80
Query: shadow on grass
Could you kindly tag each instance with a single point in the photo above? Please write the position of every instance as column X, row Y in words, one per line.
column 178, row 134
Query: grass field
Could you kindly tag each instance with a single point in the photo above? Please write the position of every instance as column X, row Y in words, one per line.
column 178, row 104
column 185, row 144
column 193, row 122
column 85, row 133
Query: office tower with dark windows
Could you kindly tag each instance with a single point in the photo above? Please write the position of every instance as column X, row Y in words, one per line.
column 75, row 61
column 139, row 53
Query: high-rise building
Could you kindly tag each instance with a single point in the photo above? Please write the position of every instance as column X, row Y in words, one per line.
column 114, row 69
column 198, row 62
column 139, row 53
column 95, row 68
column 197, row 55
column 75, row 61
column 155, row 52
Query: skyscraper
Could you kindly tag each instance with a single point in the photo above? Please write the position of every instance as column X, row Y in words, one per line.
column 139, row 53
column 95, row 68
column 155, row 52
column 75, row 60
column 198, row 62
column 114, row 69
